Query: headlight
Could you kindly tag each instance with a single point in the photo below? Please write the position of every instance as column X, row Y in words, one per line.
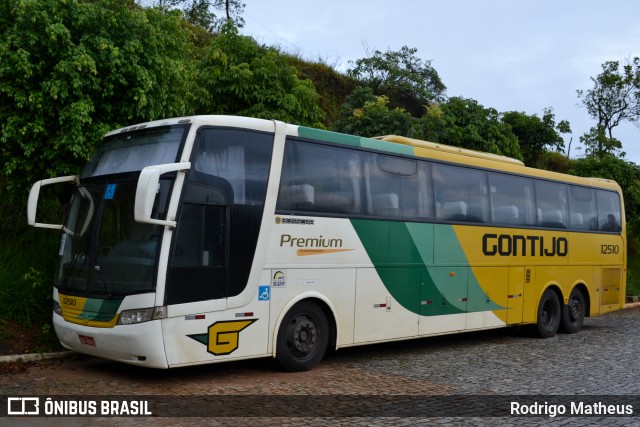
column 130, row 317
column 56, row 308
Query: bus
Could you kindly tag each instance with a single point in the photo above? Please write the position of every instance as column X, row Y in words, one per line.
column 212, row 238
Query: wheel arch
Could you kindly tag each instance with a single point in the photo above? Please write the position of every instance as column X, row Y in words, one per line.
column 321, row 301
column 555, row 286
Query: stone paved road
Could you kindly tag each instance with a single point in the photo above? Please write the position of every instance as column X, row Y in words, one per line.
column 394, row 384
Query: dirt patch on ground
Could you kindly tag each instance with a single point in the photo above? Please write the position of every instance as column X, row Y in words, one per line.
column 17, row 338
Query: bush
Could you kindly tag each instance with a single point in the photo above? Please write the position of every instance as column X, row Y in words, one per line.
column 27, row 266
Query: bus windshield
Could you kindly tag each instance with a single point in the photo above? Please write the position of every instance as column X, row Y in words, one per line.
column 104, row 251
column 134, row 150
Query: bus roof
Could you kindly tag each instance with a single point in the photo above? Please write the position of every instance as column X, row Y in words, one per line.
column 448, row 149
column 422, row 148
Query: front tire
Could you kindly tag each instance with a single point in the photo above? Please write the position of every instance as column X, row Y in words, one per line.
column 549, row 314
column 303, row 337
column 573, row 312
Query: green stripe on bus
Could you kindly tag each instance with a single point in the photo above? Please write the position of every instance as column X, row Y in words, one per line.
column 101, row 310
column 452, row 253
column 354, row 141
column 402, row 254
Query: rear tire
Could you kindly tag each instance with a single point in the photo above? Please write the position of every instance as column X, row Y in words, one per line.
column 303, row 337
column 549, row 314
column 573, row 312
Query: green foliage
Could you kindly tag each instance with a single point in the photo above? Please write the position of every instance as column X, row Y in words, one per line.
column 614, row 98
column 633, row 274
column 465, row 123
column 366, row 114
column 408, row 81
column 26, row 264
column 209, row 14
column 332, row 87
column 535, row 135
column 243, row 78
column 71, row 70
column 598, row 144
column 555, row 162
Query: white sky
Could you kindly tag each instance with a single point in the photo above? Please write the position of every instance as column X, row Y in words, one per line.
column 512, row 55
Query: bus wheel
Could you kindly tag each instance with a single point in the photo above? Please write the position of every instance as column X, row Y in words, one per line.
column 302, row 338
column 573, row 313
column 549, row 313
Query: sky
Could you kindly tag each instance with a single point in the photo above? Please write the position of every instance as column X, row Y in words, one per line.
column 511, row 55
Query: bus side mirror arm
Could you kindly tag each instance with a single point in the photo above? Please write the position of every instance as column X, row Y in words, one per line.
column 34, row 195
column 148, row 187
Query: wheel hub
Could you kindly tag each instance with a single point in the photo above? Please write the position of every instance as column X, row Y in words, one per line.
column 304, row 335
column 574, row 309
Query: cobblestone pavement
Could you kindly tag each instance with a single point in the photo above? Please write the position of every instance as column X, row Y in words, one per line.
column 396, row 384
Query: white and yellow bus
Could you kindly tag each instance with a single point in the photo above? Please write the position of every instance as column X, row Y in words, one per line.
column 211, row 238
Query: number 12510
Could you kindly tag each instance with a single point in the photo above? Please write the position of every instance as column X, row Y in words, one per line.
column 609, row 249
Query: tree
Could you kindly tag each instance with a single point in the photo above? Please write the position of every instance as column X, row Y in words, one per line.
column 465, row 123
column 209, row 14
column 407, row 81
column 614, row 98
column 599, row 145
column 366, row 114
column 241, row 77
column 536, row 135
column 70, row 71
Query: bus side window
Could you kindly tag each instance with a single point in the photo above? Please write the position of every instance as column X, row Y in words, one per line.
column 609, row 213
column 511, row 200
column 461, row 194
column 297, row 197
column 320, row 178
column 582, row 208
column 551, row 200
column 392, row 186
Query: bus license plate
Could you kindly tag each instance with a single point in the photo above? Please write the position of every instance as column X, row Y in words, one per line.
column 87, row 340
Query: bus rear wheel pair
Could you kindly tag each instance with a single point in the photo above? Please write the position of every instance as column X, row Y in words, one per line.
column 553, row 316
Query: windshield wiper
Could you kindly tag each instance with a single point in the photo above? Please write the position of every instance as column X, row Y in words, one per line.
column 67, row 274
column 103, row 275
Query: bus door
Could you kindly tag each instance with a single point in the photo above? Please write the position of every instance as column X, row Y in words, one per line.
column 197, row 275
column 198, row 265
column 213, row 247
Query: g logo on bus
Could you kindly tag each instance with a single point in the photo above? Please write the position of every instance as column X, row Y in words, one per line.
column 223, row 338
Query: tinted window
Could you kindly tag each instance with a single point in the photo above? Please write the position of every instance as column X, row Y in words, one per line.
column 551, row 202
column 239, row 157
column 609, row 215
column 396, row 187
column 320, row 178
column 461, row 194
column 512, row 200
column 133, row 151
column 324, row 179
column 582, row 208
